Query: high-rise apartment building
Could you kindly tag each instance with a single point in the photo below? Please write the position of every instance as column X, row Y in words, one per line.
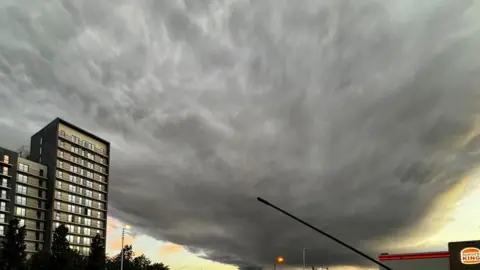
column 63, row 181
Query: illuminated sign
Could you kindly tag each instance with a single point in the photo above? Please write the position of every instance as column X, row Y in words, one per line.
column 464, row 255
column 470, row 255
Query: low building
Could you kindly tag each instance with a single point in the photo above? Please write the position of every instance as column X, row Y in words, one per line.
column 460, row 256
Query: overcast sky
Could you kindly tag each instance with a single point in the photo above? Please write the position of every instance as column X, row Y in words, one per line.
column 359, row 116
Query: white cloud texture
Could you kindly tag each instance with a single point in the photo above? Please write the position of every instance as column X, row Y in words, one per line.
column 354, row 115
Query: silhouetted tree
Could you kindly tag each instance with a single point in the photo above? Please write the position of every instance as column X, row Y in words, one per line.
column 13, row 256
column 128, row 254
column 158, row 266
column 63, row 256
column 141, row 262
column 41, row 260
column 96, row 259
column 78, row 260
column 130, row 263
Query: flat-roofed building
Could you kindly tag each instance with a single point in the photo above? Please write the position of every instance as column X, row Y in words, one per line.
column 62, row 178
column 78, row 163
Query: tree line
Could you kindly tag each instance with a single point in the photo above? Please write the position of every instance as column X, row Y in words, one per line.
column 13, row 255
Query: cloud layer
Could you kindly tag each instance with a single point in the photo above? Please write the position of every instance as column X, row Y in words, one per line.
column 354, row 115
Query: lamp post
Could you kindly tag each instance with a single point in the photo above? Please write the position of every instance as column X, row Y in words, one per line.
column 280, row 260
column 304, row 251
column 123, row 238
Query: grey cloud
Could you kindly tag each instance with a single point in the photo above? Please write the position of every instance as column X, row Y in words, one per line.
column 354, row 115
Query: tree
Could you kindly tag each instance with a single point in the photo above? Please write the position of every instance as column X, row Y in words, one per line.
column 96, row 259
column 60, row 242
column 41, row 260
column 13, row 247
column 63, row 256
column 141, row 262
column 158, row 266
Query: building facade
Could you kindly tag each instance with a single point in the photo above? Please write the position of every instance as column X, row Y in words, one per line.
column 63, row 181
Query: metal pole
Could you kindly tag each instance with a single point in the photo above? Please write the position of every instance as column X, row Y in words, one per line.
column 303, row 253
column 123, row 237
column 274, row 266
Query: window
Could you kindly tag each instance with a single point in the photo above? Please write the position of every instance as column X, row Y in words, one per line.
column 62, row 144
column 59, row 184
column 22, row 178
column 21, row 222
column 3, row 206
column 59, row 194
column 4, row 182
column 86, row 231
column 4, row 194
column 88, row 202
column 2, row 232
column 99, row 224
column 79, row 229
column 62, row 133
column 89, row 184
column 101, row 187
column 41, row 140
column 6, row 159
column 19, row 211
column 57, row 215
column 101, row 151
column 60, row 164
column 88, row 212
column 60, row 174
column 22, row 167
column 40, row 150
column 88, row 193
column 72, row 188
column 86, row 241
column 90, row 165
column 58, row 205
column 89, row 174
column 72, row 208
column 100, row 196
column 21, row 189
column 99, row 214
column 57, row 224
column 5, row 170
column 60, row 154
column 88, row 222
column 70, row 219
column 2, row 218
column 21, row 200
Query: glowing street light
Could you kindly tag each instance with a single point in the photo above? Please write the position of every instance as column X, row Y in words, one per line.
column 279, row 260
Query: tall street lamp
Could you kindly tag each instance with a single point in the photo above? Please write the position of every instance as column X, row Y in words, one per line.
column 123, row 238
column 303, row 256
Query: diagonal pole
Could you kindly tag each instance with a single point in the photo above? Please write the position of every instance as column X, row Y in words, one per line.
column 324, row 233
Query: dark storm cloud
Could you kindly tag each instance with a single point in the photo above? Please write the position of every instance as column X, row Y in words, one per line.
column 351, row 114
